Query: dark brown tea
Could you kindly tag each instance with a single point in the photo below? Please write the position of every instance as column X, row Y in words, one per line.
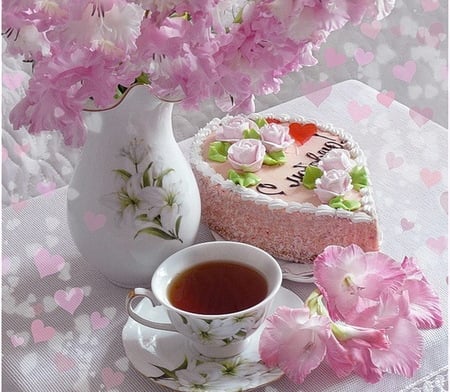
column 217, row 287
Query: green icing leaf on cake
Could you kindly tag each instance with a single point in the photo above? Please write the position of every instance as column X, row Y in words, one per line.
column 359, row 177
column 251, row 134
column 218, row 151
column 345, row 204
column 260, row 122
column 312, row 173
column 244, row 179
column 274, row 158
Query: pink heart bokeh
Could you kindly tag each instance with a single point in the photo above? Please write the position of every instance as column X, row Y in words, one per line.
column 437, row 245
column 111, row 378
column 358, row 111
column 386, row 98
column 69, row 301
column 333, row 58
column 406, row 224
column 63, row 362
column 98, row 321
column 405, row 72
column 393, row 161
column 430, row 177
column 362, row 57
column 40, row 332
column 48, row 264
column 371, row 30
column 94, row 221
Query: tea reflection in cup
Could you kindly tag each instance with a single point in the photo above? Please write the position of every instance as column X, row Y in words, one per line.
column 216, row 294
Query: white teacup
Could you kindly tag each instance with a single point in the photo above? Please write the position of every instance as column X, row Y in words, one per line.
column 213, row 335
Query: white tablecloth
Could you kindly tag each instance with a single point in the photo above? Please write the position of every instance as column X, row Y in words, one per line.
column 49, row 348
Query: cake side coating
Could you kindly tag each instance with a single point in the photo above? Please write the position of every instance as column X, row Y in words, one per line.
column 289, row 230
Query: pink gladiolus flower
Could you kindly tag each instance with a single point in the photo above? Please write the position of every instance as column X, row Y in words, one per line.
column 373, row 307
column 295, row 341
column 352, row 281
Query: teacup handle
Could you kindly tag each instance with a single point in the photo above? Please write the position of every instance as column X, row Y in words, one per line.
column 141, row 292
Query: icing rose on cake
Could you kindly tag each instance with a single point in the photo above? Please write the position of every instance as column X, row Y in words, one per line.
column 333, row 183
column 247, row 155
column 338, row 159
column 275, row 137
column 233, row 127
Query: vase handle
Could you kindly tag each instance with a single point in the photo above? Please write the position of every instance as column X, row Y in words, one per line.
column 144, row 293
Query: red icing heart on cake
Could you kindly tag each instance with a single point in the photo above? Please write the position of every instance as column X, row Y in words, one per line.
column 301, row 133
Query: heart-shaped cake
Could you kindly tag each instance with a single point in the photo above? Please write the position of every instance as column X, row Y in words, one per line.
column 284, row 184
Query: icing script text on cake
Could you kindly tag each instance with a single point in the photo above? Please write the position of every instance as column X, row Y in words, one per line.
column 296, row 178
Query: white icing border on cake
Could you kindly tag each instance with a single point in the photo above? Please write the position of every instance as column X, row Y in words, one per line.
column 365, row 214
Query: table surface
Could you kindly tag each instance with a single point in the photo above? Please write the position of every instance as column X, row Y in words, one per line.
column 78, row 346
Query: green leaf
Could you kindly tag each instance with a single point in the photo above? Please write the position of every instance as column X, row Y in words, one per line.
column 143, row 218
column 244, row 179
column 345, row 204
column 251, row 134
column 125, row 175
column 260, row 122
column 156, row 232
column 274, row 158
column 146, row 176
column 312, row 173
column 359, row 177
column 143, row 78
column 238, row 18
column 218, row 151
column 177, row 225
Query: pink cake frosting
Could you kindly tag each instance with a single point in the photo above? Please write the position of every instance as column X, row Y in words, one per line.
column 313, row 189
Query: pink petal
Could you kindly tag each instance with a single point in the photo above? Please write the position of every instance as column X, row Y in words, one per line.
column 424, row 308
column 339, row 358
column 365, row 367
column 404, row 354
column 294, row 341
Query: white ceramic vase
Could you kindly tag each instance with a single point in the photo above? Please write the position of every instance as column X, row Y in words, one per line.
column 133, row 199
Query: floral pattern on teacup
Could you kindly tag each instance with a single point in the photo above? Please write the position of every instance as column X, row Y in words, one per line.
column 197, row 373
column 218, row 332
column 144, row 199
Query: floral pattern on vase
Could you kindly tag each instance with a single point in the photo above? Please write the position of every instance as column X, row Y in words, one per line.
column 143, row 200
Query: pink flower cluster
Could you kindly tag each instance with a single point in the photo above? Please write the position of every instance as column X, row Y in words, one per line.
column 193, row 50
column 364, row 318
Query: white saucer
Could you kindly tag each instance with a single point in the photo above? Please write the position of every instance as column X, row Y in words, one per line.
column 296, row 272
column 168, row 358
